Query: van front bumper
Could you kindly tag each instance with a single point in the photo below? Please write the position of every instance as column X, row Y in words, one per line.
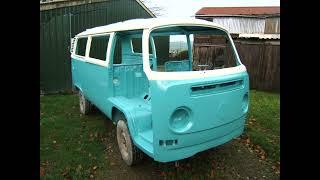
column 202, row 141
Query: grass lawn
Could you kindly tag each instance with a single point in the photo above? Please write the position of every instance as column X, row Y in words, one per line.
column 263, row 123
column 70, row 144
column 74, row 146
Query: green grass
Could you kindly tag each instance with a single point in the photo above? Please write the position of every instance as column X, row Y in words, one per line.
column 71, row 145
column 263, row 122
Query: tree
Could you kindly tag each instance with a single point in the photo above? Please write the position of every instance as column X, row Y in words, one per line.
column 155, row 9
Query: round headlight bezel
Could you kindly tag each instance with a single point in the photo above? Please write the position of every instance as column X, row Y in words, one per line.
column 180, row 120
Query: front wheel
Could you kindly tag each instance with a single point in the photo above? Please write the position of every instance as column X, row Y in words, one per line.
column 131, row 155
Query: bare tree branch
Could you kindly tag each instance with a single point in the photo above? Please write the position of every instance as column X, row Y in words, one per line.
column 156, row 10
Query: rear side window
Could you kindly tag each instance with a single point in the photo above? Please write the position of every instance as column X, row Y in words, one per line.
column 81, row 46
column 98, row 48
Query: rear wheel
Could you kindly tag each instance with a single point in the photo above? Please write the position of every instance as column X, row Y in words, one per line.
column 131, row 154
column 85, row 105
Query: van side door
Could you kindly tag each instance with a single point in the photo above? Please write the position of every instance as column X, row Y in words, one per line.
column 97, row 81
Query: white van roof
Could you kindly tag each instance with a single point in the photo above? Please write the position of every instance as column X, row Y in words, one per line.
column 148, row 23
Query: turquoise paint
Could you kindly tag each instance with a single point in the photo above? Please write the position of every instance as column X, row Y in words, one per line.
column 168, row 119
column 182, row 65
column 216, row 115
column 95, row 82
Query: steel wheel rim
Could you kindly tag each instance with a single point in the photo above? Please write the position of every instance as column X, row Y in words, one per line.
column 123, row 144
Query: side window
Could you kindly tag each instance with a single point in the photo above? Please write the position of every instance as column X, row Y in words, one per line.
column 99, row 46
column 137, row 45
column 81, row 46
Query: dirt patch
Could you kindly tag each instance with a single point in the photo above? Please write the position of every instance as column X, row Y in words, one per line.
column 232, row 160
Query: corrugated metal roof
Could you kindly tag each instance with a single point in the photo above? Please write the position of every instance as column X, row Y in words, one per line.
column 267, row 10
column 259, row 36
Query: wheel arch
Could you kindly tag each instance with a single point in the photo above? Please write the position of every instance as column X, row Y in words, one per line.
column 119, row 108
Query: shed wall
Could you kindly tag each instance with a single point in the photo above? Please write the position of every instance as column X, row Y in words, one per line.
column 58, row 25
column 272, row 25
column 247, row 25
column 241, row 24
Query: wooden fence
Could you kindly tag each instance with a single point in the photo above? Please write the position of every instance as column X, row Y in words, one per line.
column 261, row 58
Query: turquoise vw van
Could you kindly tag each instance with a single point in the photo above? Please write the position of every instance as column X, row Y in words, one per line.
column 173, row 87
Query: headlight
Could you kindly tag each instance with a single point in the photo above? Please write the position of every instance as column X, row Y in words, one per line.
column 180, row 119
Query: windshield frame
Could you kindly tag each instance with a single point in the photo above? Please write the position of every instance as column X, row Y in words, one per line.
column 181, row 75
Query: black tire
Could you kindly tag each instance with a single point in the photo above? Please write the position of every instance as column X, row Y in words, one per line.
column 85, row 105
column 130, row 154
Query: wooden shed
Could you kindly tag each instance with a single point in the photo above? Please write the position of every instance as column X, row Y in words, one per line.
column 256, row 34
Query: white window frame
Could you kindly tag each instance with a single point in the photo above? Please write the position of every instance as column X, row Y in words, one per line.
column 155, row 75
column 73, row 54
column 91, row 60
column 99, row 61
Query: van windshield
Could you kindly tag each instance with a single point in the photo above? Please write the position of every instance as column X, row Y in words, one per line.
column 192, row 48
